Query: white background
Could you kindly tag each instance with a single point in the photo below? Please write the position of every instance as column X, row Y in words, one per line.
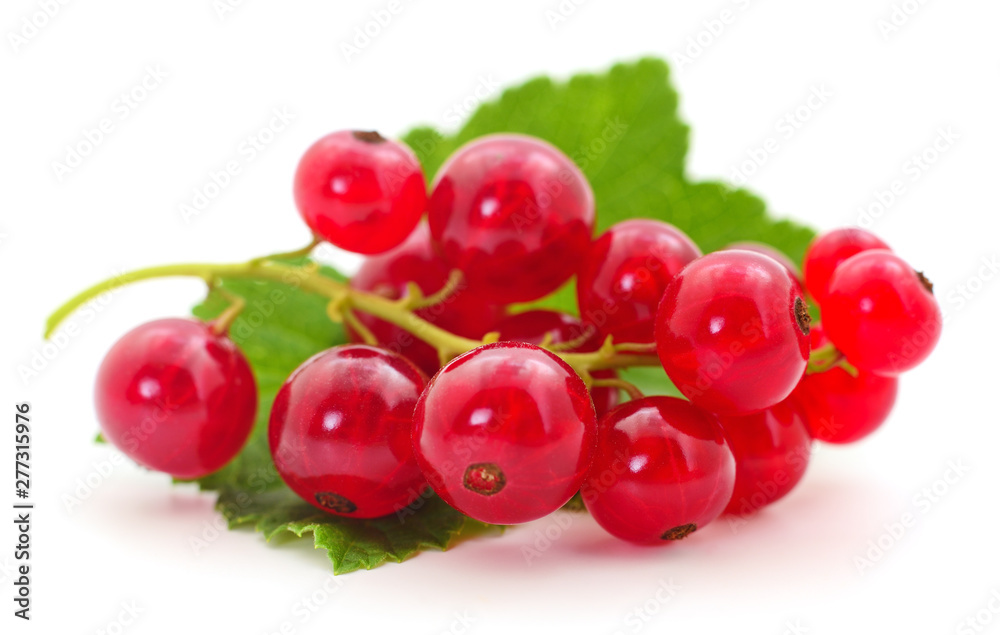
column 794, row 569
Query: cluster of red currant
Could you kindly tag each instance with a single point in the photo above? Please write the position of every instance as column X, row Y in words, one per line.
column 521, row 411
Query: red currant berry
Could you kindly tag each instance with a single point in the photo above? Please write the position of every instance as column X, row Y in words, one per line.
column 360, row 191
column 732, row 332
column 625, row 272
column 771, row 252
column 505, row 432
column 772, row 450
column 463, row 313
column 534, row 327
column 514, row 214
column 340, row 431
column 828, row 250
column 663, row 469
column 881, row 314
column 177, row 397
column 841, row 408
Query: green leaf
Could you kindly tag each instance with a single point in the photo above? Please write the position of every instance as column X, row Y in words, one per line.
column 623, row 130
column 351, row 544
column 651, row 381
column 281, row 328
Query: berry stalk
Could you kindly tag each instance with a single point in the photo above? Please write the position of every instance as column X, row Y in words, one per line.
column 343, row 301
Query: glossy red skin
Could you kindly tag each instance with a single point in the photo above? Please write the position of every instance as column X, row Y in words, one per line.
column 768, row 250
column 517, row 407
column 463, row 313
column 840, row 408
column 533, row 327
column 514, row 214
column 176, row 397
column 828, row 250
column 622, row 279
column 359, row 195
column 340, row 431
column 661, row 464
column 727, row 334
column 772, row 449
column 880, row 315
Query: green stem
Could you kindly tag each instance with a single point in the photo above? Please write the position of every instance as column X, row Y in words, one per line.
column 208, row 273
column 631, row 389
column 359, row 327
column 308, row 278
column 415, row 298
column 295, row 253
column 826, row 357
column 221, row 324
column 596, row 361
column 848, row 367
